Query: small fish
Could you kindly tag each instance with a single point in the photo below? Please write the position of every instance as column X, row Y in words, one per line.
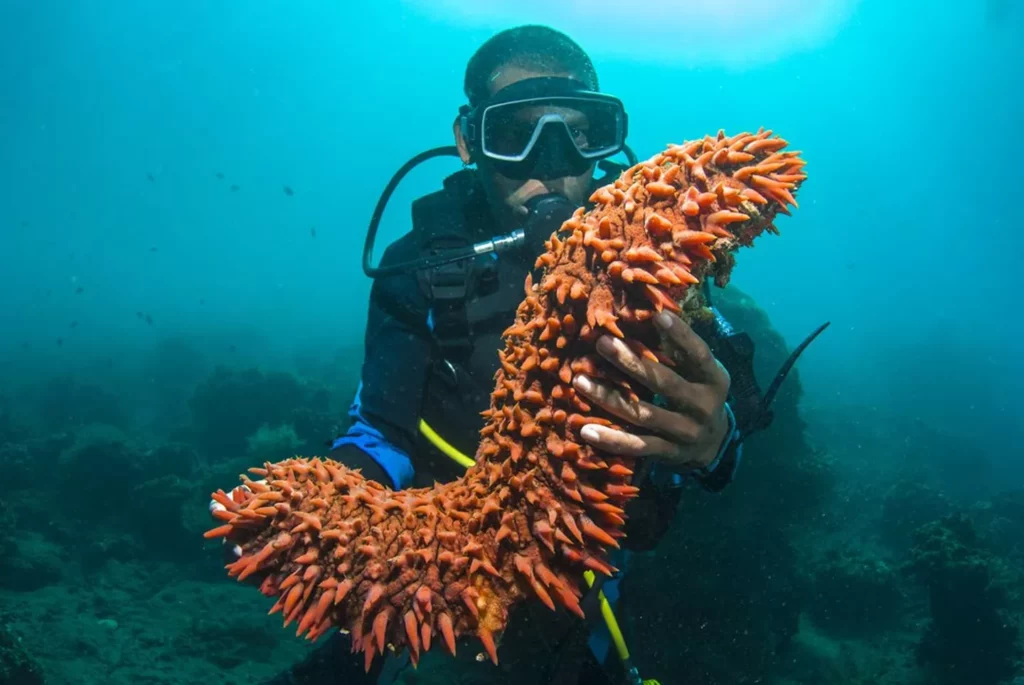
column 202, row 300
column 140, row 315
column 79, row 290
column 234, row 189
column 232, row 348
column 74, row 324
column 25, row 224
column 220, row 176
column 60, row 342
column 288, row 191
column 150, row 177
column 312, row 231
column 149, row 319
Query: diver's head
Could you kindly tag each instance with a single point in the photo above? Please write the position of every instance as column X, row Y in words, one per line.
column 535, row 123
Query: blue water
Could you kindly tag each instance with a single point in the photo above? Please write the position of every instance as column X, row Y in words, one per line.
column 906, row 238
column 116, row 118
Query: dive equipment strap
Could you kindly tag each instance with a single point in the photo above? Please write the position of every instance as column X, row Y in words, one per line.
column 441, row 225
column 447, row 289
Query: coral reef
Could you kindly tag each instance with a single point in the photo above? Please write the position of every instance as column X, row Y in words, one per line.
column 818, row 658
column 176, row 367
column 855, row 593
column 973, row 633
column 143, row 622
column 1001, row 522
column 907, row 505
column 17, row 667
column 231, row 405
column 267, row 442
column 128, row 466
column 31, row 562
column 539, row 506
column 66, row 403
column 11, row 428
column 26, row 461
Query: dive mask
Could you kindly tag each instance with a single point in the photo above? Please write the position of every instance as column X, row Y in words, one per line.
column 544, row 128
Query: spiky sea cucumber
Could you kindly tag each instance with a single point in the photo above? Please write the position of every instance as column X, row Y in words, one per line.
column 539, row 506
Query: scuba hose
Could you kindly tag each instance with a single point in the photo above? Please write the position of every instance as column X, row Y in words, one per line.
column 497, row 244
column 632, row 675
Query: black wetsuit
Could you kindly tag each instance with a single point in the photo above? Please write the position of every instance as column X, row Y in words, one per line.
column 430, row 353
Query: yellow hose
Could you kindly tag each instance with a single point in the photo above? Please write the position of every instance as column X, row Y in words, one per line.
column 440, row 443
column 609, row 619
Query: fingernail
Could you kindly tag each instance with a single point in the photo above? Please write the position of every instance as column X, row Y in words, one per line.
column 664, row 320
column 583, row 383
column 589, row 432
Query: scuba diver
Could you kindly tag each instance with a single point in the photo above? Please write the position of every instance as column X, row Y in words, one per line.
column 534, row 132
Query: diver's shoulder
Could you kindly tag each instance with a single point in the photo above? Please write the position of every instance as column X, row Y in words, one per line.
column 403, row 249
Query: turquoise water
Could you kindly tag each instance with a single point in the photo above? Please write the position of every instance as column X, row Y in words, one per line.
column 147, row 238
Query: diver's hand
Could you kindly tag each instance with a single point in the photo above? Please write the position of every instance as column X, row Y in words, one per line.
column 231, row 550
column 685, row 437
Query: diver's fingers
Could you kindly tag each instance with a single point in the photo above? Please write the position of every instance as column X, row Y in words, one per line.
column 217, row 506
column 694, row 357
column 680, row 427
column 625, row 444
column 234, row 551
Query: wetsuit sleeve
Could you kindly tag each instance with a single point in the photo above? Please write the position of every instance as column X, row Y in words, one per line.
column 385, row 412
column 721, row 471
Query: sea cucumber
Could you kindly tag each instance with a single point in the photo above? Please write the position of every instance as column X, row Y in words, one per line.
column 540, row 506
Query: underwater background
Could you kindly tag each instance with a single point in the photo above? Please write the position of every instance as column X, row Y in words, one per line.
column 184, row 194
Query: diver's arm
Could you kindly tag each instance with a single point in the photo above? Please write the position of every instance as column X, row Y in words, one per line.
column 364, row 447
column 722, row 470
column 385, row 411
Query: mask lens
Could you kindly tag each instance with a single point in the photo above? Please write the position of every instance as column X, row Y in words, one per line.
column 509, row 130
column 604, row 129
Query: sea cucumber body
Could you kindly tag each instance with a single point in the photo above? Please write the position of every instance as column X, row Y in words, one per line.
column 415, row 567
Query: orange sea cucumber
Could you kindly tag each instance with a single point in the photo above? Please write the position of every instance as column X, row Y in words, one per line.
column 540, row 506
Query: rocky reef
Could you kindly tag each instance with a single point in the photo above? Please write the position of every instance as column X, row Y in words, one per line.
column 17, row 667
column 973, row 631
column 855, row 593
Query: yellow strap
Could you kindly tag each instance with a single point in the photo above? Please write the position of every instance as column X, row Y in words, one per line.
column 606, row 608
column 445, row 446
column 609, row 619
